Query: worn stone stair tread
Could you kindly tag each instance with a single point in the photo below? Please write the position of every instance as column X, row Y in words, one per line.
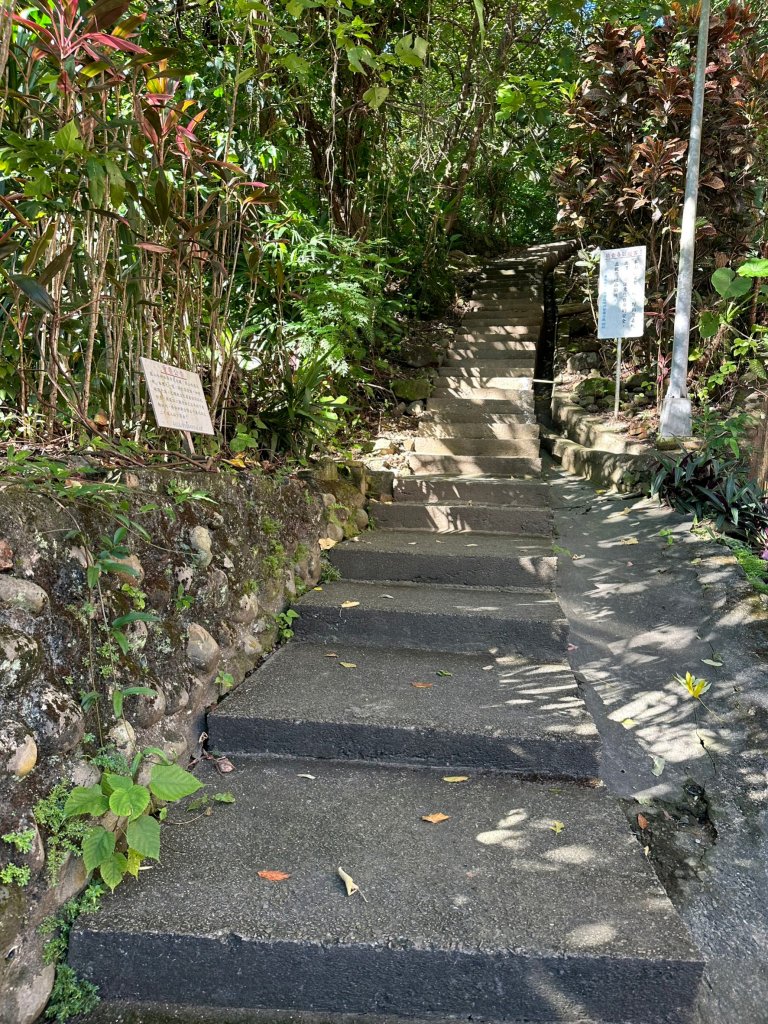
column 489, row 913
column 517, row 306
column 446, row 618
column 487, row 490
column 463, row 518
column 488, row 350
column 450, row 558
column 474, row 368
column 483, row 465
column 511, row 402
column 503, row 431
column 485, row 387
column 503, row 330
column 522, row 418
column 505, row 714
column 477, row 446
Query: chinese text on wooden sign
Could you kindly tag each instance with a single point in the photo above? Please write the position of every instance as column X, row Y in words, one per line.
column 621, row 294
column 177, row 398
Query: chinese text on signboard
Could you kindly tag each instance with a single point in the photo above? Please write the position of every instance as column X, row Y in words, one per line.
column 177, row 398
column 621, row 297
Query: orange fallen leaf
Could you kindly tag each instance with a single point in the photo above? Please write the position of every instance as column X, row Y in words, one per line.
column 273, row 876
column 421, row 686
column 436, row 818
column 455, row 778
column 350, row 604
column 642, row 821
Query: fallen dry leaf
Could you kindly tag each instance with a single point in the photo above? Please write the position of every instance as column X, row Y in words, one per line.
column 629, row 540
column 389, row 597
column 642, row 821
column 436, row 818
column 223, row 765
column 350, row 884
column 325, row 543
column 348, row 664
column 331, row 654
column 305, row 775
column 557, row 827
column 317, row 588
column 350, row 604
column 422, row 686
column 455, row 778
column 273, row 876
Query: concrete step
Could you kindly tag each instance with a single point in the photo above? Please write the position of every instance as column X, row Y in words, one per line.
column 513, row 403
column 508, row 297
column 506, row 714
column 504, row 318
column 486, row 491
column 528, row 446
column 473, row 414
column 450, row 558
column 469, row 329
column 417, row 617
column 522, row 307
column 464, row 465
column 488, row 915
column 487, row 350
column 483, row 387
column 445, row 427
column 457, row 517
column 490, row 368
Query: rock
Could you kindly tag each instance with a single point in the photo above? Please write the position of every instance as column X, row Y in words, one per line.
column 417, row 408
column 144, row 710
column 399, row 409
column 595, row 387
column 327, row 470
column 272, row 597
column 19, row 660
column 26, row 990
column 134, row 570
column 329, row 500
column 247, row 609
column 635, row 381
column 667, row 444
column 412, row 389
column 23, row 594
column 361, row 519
column 176, row 695
column 383, row 446
column 216, row 590
column 202, row 650
column 6, row 553
column 84, row 774
column 55, row 718
column 200, row 542
column 72, row 878
column 420, row 352
column 581, row 361
column 593, row 407
column 123, row 736
column 18, row 750
column 334, row 532
column 409, row 444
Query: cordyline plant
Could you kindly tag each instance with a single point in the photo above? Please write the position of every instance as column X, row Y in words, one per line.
column 629, row 122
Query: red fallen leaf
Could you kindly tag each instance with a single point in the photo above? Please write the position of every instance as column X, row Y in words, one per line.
column 273, row 876
column 6, row 554
column 642, row 821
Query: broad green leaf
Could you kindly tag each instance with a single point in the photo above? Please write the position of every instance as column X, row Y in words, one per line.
column 86, row 800
column 374, row 97
column 129, row 803
column 143, row 836
column 721, row 280
column 753, row 268
column 223, row 798
column 68, row 139
column 112, row 870
column 134, row 863
column 111, row 782
column 170, row 782
column 34, row 291
column 98, row 846
column 97, row 181
column 709, row 324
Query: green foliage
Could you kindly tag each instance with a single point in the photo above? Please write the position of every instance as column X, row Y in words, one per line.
column 20, row 841
column 62, row 835
column 284, row 622
column 328, row 571
column 71, row 997
column 755, row 566
column 14, row 874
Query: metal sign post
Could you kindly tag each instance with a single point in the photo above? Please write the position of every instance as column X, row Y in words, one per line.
column 621, row 301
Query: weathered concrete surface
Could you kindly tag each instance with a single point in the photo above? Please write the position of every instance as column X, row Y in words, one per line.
column 486, row 490
column 453, row 921
column 520, row 446
column 445, row 426
column 489, row 369
column 434, row 619
column 475, row 465
column 453, row 559
column 464, row 518
column 503, row 713
column 639, row 614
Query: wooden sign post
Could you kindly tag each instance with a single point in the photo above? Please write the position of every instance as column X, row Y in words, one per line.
column 178, row 400
column 621, row 300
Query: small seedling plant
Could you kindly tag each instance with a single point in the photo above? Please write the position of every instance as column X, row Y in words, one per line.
column 117, row 845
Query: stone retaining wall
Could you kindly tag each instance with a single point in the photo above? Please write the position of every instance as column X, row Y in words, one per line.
column 213, row 571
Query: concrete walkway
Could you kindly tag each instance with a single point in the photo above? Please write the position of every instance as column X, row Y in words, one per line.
column 425, row 733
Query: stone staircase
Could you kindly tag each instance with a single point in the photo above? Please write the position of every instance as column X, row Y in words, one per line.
column 440, row 653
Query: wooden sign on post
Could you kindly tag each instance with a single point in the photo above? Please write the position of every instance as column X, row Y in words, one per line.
column 177, row 399
column 621, row 300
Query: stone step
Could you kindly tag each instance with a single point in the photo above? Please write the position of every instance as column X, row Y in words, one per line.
column 457, row 517
column 483, row 387
column 468, row 329
column 504, row 318
column 475, row 414
column 524, row 308
column 490, row 914
column 490, row 368
column 505, row 714
column 528, row 446
column 450, row 558
column 487, row 350
column 486, row 491
column 445, row 427
column 507, row 296
column 455, row 465
column 513, row 403
column 460, row 619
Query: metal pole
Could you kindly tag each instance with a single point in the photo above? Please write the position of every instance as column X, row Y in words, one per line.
column 617, row 392
column 676, row 410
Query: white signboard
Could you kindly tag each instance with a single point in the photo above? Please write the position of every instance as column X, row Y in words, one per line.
column 177, row 398
column 621, row 295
